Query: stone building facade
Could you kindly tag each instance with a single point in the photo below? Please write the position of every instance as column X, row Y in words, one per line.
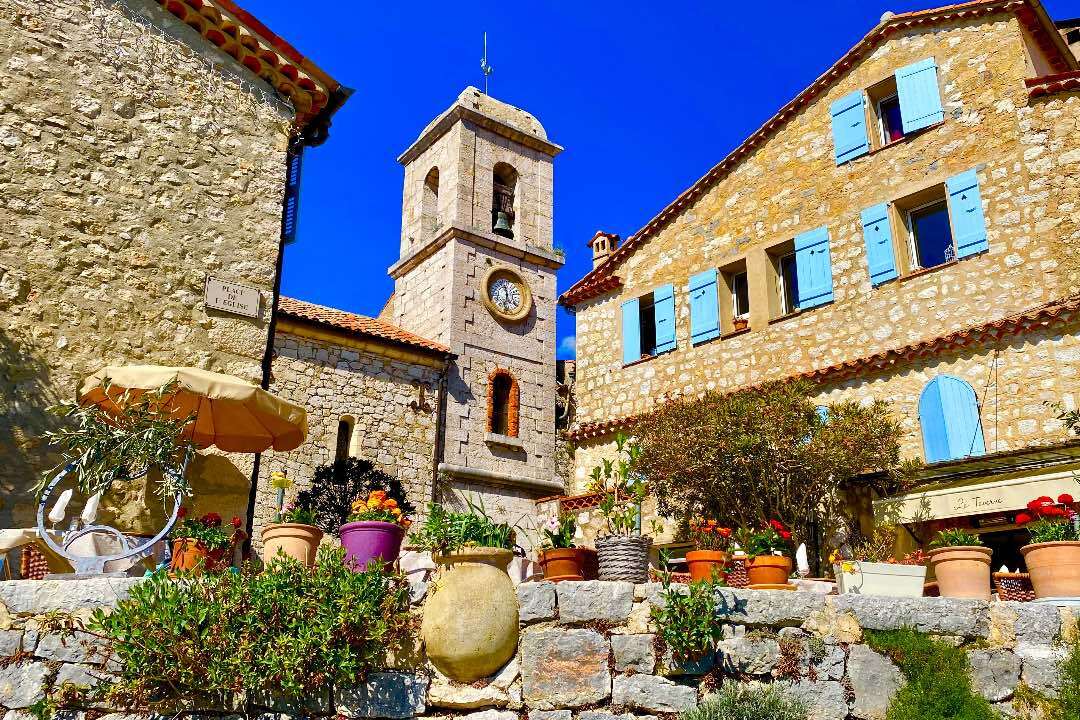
column 800, row 206
column 371, row 391
column 143, row 149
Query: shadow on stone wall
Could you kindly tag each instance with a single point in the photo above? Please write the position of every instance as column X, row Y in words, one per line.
column 26, row 394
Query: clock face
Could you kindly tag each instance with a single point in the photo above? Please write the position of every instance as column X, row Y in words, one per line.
column 506, row 295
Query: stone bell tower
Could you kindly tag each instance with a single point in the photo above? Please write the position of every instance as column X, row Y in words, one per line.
column 477, row 273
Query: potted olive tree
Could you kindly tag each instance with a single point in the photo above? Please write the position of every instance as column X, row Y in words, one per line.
column 623, row 551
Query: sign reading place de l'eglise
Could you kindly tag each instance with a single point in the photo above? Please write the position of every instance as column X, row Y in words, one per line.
column 232, row 297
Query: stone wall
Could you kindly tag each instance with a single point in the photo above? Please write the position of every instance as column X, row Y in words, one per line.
column 135, row 160
column 381, row 395
column 588, row 651
column 1027, row 153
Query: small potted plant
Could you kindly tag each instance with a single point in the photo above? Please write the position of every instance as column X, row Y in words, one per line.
column 470, row 623
column 961, row 564
column 740, row 323
column 293, row 532
column 559, row 558
column 623, row 552
column 769, row 567
column 374, row 531
column 708, row 558
column 1053, row 555
column 871, row 568
column 200, row 544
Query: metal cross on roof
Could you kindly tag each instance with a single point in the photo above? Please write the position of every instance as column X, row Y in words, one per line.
column 485, row 66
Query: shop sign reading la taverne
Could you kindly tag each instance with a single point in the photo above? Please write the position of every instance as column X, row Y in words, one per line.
column 232, row 297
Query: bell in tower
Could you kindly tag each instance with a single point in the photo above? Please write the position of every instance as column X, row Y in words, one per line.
column 502, row 201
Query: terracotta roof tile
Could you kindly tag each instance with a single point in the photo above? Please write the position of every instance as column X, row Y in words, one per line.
column 355, row 324
column 1029, row 12
column 1051, row 313
column 1050, row 84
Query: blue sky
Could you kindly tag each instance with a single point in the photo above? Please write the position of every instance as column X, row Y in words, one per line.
column 644, row 96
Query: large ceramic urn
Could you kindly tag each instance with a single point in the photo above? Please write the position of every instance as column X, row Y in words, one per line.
column 470, row 626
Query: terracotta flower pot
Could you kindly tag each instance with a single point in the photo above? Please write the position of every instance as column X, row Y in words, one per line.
column 561, row 564
column 769, row 569
column 190, row 555
column 1054, row 568
column 706, row 564
column 962, row 571
column 470, row 624
column 295, row 540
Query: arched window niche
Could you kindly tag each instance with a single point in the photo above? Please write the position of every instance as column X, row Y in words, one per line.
column 503, row 403
column 503, row 199
column 429, row 205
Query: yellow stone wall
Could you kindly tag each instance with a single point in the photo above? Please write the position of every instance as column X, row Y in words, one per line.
column 1027, row 154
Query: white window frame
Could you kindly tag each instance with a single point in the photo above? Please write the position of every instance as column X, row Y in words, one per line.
column 913, row 244
column 883, row 138
column 735, row 314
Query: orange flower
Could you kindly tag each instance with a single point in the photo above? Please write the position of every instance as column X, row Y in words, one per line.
column 391, row 503
column 379, row 495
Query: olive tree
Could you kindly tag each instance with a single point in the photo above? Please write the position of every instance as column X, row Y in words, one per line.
column 766, row 452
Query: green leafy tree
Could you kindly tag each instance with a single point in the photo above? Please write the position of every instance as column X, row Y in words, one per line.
column 765, row 453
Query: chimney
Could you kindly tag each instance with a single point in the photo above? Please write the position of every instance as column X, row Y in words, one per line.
column 602, row 244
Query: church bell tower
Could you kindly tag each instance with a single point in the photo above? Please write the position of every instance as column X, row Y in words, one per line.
column 477, row 273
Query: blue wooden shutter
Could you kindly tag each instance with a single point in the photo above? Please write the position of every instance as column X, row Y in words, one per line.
column 949, row 416
column 290, row 210
column 966, row 214
column 814, row 268
column 631, row 332
column 704, row 307
column 920, row 99
column 849, row 127
column 664, row 309
column 877, row 234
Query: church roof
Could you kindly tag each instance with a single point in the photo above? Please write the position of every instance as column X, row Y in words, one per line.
column 1031, row 15
column 353, row 324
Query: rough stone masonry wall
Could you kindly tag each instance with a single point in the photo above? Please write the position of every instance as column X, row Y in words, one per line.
column 376, row 392
column 131, row 167
column 1028, row 155
column 587, row 652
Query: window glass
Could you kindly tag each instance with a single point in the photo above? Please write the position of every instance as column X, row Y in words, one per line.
column 931, row 235
column 892, row 124
column 647, row 324
column 789, row 284
column 740, row 295
column 500, row 404
column 344, row 431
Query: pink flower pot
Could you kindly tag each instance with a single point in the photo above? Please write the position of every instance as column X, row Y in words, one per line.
column 371, row 540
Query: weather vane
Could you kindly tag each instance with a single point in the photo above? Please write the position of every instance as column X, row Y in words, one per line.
column 485, row 66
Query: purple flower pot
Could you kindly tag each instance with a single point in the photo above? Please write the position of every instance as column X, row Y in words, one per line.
column 370, row 540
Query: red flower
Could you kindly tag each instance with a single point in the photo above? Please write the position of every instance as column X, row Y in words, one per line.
column 181, row 513
column 1065, row 499
column 211, row 520
column 237, row 522
column 724, row 532
column 785, row 534
column 776, row 525
column 1023, row 518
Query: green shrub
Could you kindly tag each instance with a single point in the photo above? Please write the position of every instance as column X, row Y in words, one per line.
column 289, row 631
column 444, row 531
column 744, row 702
column 938, row 686
column 687, row 622
column 1069, row 693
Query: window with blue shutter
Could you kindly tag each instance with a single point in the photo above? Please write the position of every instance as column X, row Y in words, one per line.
column 290, row 210
column 631, row 332
column 877, row 234
column 920, row 98
column 814, row 268
column 966, row 214
column 664, row 314
column 949, row 417
column 850, row 139
column 704, row 307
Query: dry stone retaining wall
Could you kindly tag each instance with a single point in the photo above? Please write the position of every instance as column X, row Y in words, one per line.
column 588, row 651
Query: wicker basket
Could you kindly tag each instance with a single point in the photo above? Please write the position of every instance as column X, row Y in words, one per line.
column 624, row 558
column 1016, row 587
column 737, row 576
